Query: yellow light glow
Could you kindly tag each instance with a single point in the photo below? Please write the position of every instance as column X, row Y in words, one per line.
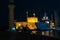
column 22, row 24
column 34, row 32
column 32, row 19
column 43, row 33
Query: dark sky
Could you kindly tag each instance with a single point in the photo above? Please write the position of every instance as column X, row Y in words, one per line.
column 37, row 6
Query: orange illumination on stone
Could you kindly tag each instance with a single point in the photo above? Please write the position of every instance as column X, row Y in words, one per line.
column 32, row 19
column 32, row 26
column 23, row 24
column 52, row 24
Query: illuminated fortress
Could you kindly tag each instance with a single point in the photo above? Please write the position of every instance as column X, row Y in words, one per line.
column 30, row 23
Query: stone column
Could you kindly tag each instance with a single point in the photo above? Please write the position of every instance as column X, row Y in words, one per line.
column 11, row 14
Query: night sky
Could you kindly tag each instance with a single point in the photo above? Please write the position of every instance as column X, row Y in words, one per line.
column 37, row 6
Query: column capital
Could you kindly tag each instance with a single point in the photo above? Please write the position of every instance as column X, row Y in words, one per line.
column 11, row 1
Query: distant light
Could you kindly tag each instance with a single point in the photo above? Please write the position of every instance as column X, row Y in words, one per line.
column 13, row 28
column 19, row 24
column 45, row 18
column 47, row 22
column 42, row 33
column 33, row 14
